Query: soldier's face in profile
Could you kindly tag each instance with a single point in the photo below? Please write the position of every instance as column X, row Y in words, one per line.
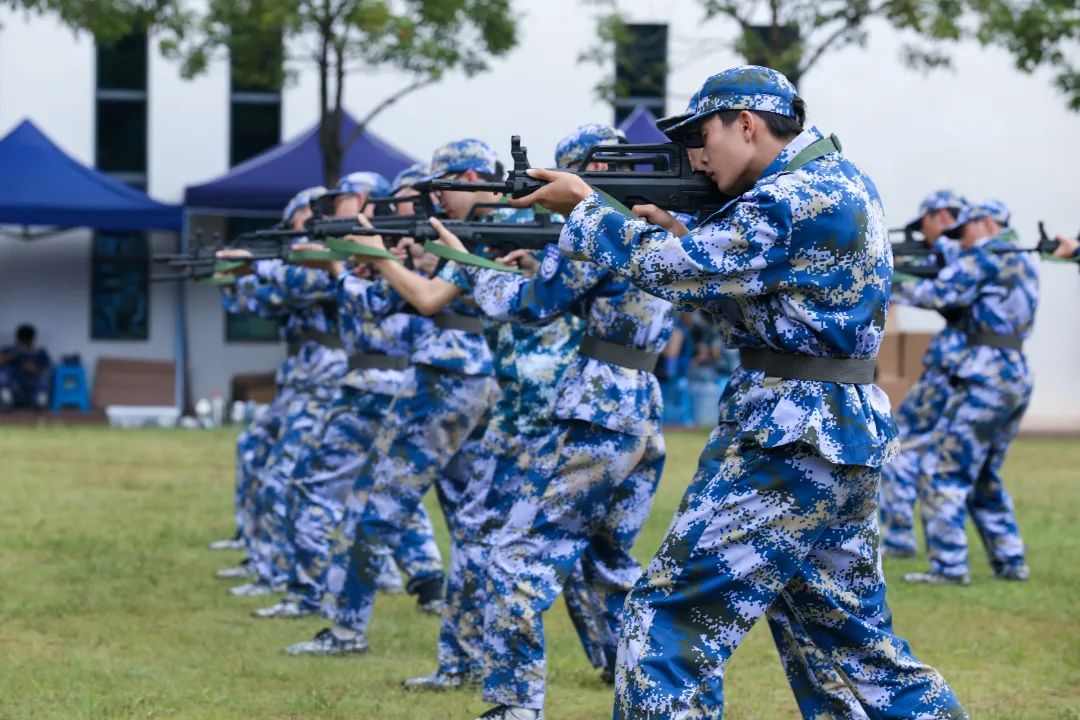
column 728, row 153
column 457, row 203
column 405, row 207
column 975, row 231
column 301, row 216
column 347, row 205
column 934, row 224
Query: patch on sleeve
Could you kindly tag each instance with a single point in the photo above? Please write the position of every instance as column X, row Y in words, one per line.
column 550, row 264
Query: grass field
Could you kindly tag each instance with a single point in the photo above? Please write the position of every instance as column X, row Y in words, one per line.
column 109, row 608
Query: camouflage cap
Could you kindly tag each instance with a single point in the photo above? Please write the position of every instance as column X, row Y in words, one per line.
column 300, row 199
column 937, row 200
column 746, row 87
column 968, row 213
column 665, row 125
column 409, row 177
column 573, row 148
column 368, row 184
column 462, row 155
column 998, row 210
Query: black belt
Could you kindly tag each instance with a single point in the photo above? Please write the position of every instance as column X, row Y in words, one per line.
column 326, row 339
column 854, row 371
column 377, row 361
column 464, row 323
column 609, row 352
column 996, row 340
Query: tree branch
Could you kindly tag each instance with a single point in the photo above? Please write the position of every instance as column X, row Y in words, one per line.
column 850, row 23
column 417, row 84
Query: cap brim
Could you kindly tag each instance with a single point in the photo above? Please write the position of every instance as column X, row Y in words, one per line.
column 953, row 231
column 915, row 223
column 689, row 121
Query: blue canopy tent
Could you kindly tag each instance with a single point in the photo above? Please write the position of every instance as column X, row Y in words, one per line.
column 640, row 127
column 267, row 181
column 42, row 185
column 261, row 187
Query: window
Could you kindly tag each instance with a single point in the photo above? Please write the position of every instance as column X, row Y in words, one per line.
column 120, row 262
column 641, row 70
column 121, row 129
column 255, row 94
column 248, row 328
column 119, row 287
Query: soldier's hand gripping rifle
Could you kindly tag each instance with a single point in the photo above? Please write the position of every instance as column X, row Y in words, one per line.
column 658, row 175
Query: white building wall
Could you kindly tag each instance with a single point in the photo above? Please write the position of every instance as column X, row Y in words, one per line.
column 985, row 129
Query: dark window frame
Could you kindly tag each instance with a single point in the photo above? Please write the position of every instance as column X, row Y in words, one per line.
column 95, row 279
column 630, row 71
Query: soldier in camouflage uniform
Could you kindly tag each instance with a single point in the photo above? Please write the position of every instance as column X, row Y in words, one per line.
column 256, row 440
column 310, row 294
column 993, row 293
column 529, row 363
column 447, row 394
column 592, row 478
column 796, row 271
column 919, row 413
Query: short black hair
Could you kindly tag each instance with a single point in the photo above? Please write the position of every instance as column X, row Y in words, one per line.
column 25, row 333
column 782, row 126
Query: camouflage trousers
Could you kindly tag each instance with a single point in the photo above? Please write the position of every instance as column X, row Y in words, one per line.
column 961, row 473
column 589, row 492
column 329, row 467
column 427, row 426
column 253, row 446
column 499, row 470
column 778, row 531
column 271, row 554
column 821, row 691
column 916, row 419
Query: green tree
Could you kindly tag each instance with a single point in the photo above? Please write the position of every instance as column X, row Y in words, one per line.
column 793, row 35
column 424, row 39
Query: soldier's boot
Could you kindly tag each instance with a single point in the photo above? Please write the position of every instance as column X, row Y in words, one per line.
column 240, row 572
column 287, row 608
column 932, row 578
column 332, row 641
column 429, row 593
column 509, row 712
column 253, row 589
column 231, row 544
column 1017, row 573
column 438, row 681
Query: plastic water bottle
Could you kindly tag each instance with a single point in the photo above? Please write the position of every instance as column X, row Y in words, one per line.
column 238, row 414
column 217, row 410
column 202, row 412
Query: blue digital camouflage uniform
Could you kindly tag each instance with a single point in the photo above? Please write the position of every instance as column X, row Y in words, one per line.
column 254, row 442
column 799, row 264
column 591, row 479
column 313, row 371
column 330, row 463
column 922, row 406
column 990, row 389
column 445, row 395
column 529, row 362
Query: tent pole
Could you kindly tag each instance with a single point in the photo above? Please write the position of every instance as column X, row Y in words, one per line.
column 180, row 341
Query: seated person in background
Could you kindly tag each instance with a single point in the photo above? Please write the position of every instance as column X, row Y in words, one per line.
column 24, row 372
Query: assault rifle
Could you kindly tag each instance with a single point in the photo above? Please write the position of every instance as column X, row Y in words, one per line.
column 489, row 238
column 643, row 174
column 1045, row 247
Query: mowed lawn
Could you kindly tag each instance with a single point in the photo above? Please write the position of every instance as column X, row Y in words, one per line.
column 109, row 607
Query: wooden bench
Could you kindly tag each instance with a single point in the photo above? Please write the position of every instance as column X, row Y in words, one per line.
column 119, row 381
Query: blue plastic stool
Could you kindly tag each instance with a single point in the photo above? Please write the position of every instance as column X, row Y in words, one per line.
column 69, row 388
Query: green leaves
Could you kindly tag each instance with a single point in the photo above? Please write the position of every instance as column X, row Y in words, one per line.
column 792, row 35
